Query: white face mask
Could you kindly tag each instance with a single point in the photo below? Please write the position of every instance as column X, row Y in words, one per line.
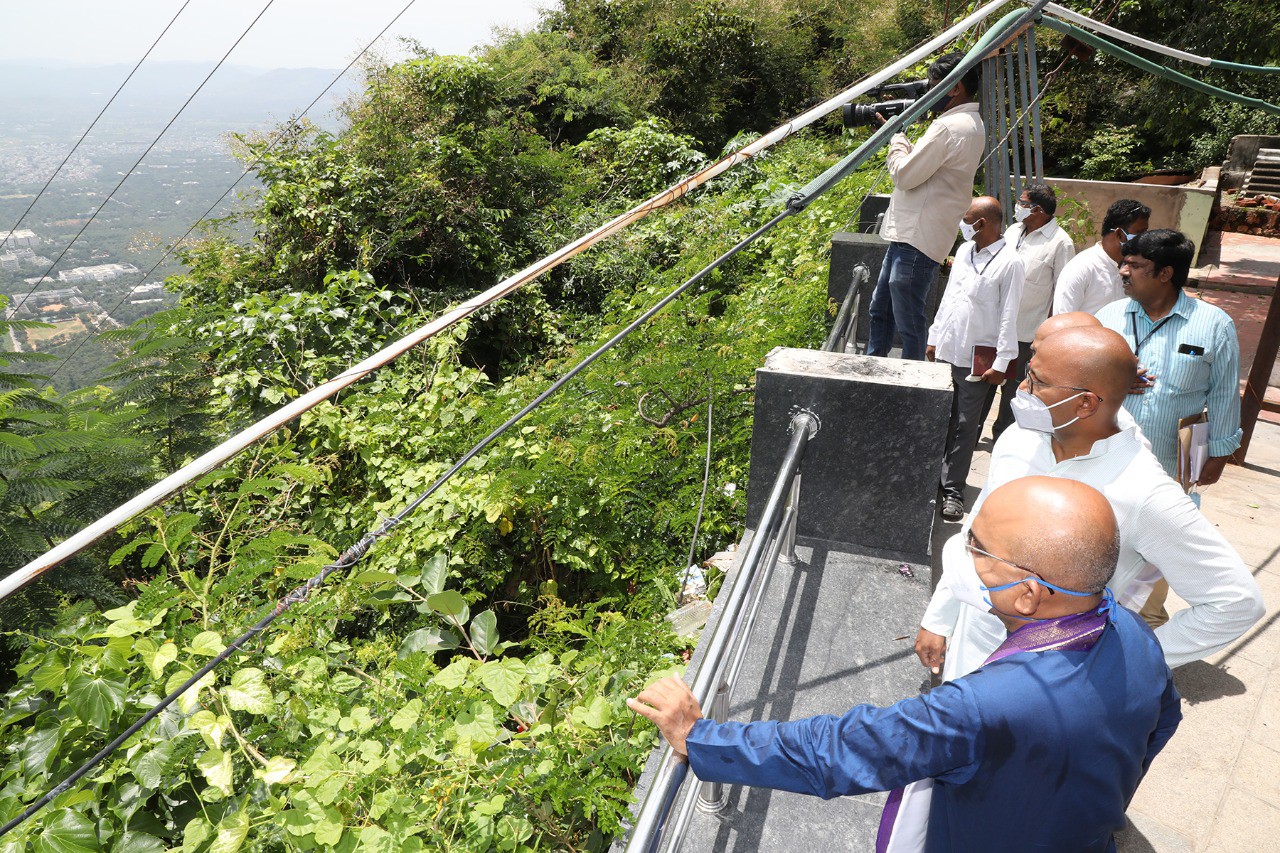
column 1020, row 213
column 967, row 231
column 961, row 575
column 1030, row 412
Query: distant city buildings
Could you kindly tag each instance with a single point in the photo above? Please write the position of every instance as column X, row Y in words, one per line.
column 24, row 239
column 100, row 273
column 49, row 302
column 9, row 261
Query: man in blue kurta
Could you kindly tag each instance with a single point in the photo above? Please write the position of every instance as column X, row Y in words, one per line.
column 1039, row 749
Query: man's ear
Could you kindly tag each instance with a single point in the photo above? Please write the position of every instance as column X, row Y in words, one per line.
column 1165, row 275
column 1028, row 600
column 1087, row 405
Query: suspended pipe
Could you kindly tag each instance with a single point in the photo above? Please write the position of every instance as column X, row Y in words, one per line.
column 232, row 446
column 1154, row 68
column 1137, row 41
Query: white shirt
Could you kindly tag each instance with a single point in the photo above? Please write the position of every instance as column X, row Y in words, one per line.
column 980, row 305
column 1045, row 253
column 1090, row 281
column 933, row 181
column 1158, row 525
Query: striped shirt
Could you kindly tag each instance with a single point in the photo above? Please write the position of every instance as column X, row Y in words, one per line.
column 1195, row 358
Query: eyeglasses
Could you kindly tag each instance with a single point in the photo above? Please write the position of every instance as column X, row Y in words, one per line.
column 974, row 547
column 1029, row 205
column 1036, row 383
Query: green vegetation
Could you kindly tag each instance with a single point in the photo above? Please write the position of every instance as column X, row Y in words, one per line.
column 462, row 688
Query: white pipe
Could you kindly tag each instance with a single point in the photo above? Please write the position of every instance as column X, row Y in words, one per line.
column 229, row 448
column 1099, row 27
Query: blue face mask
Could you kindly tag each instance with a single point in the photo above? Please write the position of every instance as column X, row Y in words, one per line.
column 1105, row 608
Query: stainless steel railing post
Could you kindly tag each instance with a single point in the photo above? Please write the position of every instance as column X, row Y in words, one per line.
column 714, row 796
column 788, row 532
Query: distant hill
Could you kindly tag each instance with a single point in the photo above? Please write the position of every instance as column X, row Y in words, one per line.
column 238, row 96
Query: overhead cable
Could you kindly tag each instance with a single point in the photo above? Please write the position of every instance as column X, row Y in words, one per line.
column 173, row 247
column 1007, row 27
column 45, row 276
column 232, row 446
column 1159, row 70
column 96, row 118
column 1155, row 47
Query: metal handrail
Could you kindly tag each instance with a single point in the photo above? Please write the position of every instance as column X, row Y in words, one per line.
column 724, row 649
column 845, row 327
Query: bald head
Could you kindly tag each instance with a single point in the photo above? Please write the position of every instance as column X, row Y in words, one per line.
column 1088, row 357
column 1058, row 322
column 986, row 216
column 1061, row 529
column 985, row 206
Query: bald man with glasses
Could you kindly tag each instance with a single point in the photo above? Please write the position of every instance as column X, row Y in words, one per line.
column 1070, row 423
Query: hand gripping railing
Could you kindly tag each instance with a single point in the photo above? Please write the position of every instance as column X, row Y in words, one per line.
column 845, row 328
column 725, row 649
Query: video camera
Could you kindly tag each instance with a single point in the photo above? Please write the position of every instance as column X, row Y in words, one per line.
column 862, row 115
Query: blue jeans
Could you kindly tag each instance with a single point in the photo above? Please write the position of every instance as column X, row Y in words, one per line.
column 898, row 301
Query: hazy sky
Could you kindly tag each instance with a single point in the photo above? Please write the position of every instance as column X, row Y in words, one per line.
column 292, row 33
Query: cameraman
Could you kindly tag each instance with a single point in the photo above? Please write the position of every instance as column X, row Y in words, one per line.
column 933, row 185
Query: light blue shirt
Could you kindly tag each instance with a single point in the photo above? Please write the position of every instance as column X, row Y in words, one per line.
column 1195, row 356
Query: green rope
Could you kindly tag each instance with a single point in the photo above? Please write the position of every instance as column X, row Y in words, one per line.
column 1160, row 70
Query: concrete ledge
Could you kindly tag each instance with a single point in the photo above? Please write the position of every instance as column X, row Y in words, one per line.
column 870, row 474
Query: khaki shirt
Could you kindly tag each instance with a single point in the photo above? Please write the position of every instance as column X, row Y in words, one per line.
column 933, row 181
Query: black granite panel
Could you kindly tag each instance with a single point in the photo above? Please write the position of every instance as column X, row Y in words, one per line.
column 835, row 630
column 847, row 251
column 870, row 475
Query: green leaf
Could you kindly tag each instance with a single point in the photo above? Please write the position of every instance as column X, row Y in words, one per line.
column 232, row 831
column 138, row 842
column 50, row 675
column 165, row 655
column 278, row 770
column 149, row 767
column 207, row 643
column 196, row 833
column 453, row 675
column 216, row 767
column 476, row 726
column 596, row 715
column 503, row 678
column 407, row 717
column 188, row 700
column 39, row 748
column 248, row 691
column 328, row 830
column 484, row 632
column 67, row 831
column 372, row 576
column 212, row 727
column 450, row 603
column 428, row 640
column 95, row 700
column 436, row 574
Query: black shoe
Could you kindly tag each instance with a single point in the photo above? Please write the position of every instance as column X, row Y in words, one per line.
column 952, row 508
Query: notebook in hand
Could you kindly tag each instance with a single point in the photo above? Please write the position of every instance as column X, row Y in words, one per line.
column 984, row 358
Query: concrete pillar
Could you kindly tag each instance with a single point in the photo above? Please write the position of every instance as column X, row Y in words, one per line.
column 871, row 472
column 847, row 251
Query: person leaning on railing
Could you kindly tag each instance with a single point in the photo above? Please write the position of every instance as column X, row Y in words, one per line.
column 1041, row 749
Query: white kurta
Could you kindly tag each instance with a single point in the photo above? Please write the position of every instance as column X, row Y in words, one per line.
column 1159, row 525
